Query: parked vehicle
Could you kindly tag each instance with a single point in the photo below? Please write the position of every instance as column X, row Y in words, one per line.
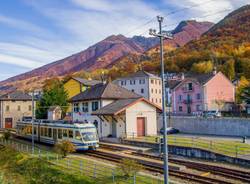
column 212, row 114
column 82, row 135
column 170, row 130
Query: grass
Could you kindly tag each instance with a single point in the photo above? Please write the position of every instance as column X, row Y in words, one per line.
column 230, row 148
column 80, row 169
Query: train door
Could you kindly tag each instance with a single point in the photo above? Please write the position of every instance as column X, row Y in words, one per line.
column 55, row 135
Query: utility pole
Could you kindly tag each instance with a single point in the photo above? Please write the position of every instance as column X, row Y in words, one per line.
column 162, row 35
column 33, row 117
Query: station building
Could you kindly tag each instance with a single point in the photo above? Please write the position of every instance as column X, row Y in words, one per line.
column 116, row 111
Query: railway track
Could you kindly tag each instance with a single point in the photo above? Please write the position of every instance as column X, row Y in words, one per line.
column 222, row 171
column 158, row 168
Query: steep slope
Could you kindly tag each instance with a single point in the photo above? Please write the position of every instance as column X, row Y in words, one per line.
column 103, row 54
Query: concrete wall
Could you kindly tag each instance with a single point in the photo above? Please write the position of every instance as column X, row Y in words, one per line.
column 211, row 126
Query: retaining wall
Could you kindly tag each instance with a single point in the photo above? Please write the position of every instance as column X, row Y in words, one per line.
column 211, row 126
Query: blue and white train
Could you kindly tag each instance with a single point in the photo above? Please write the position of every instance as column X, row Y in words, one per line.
column 82, row 135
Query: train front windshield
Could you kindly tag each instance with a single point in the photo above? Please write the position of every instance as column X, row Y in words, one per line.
column 89, row 134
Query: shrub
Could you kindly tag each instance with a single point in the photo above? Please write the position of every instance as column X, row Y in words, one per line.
column 65, row 147
column 129, row 167
column 6, row 135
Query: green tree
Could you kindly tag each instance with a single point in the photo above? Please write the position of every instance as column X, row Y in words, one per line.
column 245, row 96
column 54, row 94
column 202, row 67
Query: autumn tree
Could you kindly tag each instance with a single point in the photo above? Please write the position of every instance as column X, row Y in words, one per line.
column 202, row 67
column 242, row 84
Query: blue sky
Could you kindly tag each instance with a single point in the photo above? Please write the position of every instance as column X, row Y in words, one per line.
column 37, row 32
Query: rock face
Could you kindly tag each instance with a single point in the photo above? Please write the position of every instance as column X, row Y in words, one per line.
column 104, row 54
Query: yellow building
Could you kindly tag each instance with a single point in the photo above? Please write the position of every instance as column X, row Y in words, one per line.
column 76, row 85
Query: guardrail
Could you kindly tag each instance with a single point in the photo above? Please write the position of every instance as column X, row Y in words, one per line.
column 100, row 173
column 229, row 148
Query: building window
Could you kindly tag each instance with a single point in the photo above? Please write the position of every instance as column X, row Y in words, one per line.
column 156, row 100
column 142, row 90
column 85, row 107
column 123, row 83
column 30, row 107
column 160, row 100
column 142, row 81
column 155, row 91
column 198, row 96
column 76, row 107
column 132, row 90
column 152, row 100
column 94, row 106
column 18, row 108
column 180, row 98
column 180, row 108
column 152, row 90
column 132, row 82
column 7, row 108
column 152, row 81
column 190, row 86
column 198, row 107
column 159, row 91
column 159, row 82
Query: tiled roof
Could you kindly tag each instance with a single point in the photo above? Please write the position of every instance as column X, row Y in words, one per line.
column 105, row 91
column 114, row 107
column 16, row 96
column 142, row 73
column 172, row 83
column 86, row 82
column 120, row 105
column 201, row 78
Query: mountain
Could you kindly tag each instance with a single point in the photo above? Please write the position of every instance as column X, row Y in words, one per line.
column 104, row 54
column 226, row 45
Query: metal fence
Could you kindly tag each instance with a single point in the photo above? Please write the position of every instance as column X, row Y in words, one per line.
column 96, row 171
column 230, row 148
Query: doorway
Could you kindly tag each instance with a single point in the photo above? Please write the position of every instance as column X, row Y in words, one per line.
column 140, row 126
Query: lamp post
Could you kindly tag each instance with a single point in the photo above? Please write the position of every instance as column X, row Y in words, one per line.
column 162, row 35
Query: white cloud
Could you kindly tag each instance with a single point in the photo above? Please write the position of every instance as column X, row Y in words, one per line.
column 18, row 61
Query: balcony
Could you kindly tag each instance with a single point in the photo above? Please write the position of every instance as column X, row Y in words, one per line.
column 188, row 101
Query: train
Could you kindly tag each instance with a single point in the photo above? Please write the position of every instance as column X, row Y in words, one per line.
column 83, row 135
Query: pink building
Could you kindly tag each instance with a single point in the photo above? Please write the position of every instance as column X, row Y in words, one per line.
column 204, row 92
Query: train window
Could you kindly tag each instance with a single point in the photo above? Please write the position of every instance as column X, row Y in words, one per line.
column 71, row 134
column 49, row 132
column 34, row 130
column 65, row 133
column 46, row 132
column 42, row 131
column 59, row 133
column 78, row 135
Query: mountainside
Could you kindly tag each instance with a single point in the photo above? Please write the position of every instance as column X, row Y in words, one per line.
column 226, row 46
column 104, row 54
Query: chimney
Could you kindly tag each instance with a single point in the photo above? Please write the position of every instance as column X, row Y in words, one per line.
column 182, row 76
column 214, row 71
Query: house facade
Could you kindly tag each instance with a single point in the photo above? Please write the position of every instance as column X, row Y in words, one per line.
column 207, row 92
column 145, row 84
column 116, row 111
column 13, row 107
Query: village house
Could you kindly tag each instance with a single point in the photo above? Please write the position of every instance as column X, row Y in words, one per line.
column 13, row 107
column 145, row 84
column 54, row 113
column 196, row 93
column 116, row 111
column 75, row 85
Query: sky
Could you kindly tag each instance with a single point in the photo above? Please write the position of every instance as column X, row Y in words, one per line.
column 37, row 32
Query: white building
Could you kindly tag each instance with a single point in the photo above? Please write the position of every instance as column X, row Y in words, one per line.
column 145, row 84
column 116, row 111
